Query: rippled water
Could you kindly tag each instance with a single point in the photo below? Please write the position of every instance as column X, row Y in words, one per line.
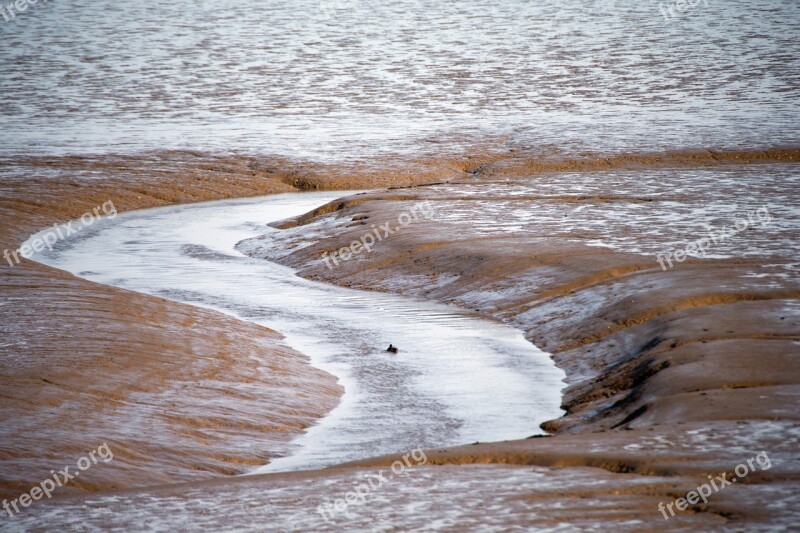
column 457, row 378
column 336, row 79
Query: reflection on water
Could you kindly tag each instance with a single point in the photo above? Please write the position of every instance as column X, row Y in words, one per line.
column 362, row 77
column 639, row 212
column 457, row 378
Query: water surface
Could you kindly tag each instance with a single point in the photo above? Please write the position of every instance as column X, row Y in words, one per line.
column 457, row 379
column 344, row 79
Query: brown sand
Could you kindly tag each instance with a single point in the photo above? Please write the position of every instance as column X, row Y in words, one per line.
column 162, row 383
column 174, row 390
column 700, row 347
column 635, row 368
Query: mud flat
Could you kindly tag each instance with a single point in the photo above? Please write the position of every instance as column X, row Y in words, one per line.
column 672, row 371
column 82, row 363
column 674, row 375
column 458, row 377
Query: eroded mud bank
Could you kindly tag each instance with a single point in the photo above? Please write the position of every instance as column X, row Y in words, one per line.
column 709, row 344
column 84, row 364
column 639, row 365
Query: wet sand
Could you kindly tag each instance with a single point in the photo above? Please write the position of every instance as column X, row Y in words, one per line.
column 652, row 356
column 487, row 382
column 706, row 351
column 84, row 363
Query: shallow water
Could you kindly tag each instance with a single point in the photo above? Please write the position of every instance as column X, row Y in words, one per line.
column 646, row 212
column 457, row 379
column 423, row 499
column 343, row 79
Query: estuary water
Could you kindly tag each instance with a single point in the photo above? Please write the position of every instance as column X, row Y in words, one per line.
column 457, row 379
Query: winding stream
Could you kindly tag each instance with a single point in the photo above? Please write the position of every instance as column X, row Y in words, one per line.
column 457, row 379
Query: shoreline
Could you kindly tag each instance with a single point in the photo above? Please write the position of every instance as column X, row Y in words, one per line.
column 26, row 214
column 635, row 364
column 123, row 357
column 584, row 269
